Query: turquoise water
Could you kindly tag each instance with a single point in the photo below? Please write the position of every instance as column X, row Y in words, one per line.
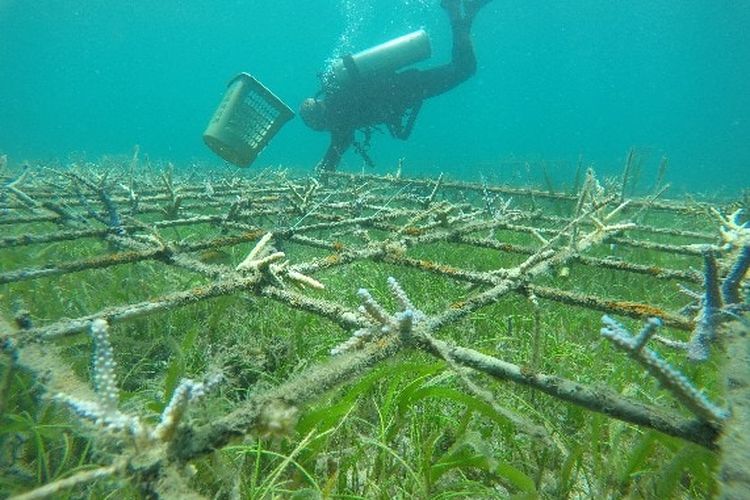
column 557, row 80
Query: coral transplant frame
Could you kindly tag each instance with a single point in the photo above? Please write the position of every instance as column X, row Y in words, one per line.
column 465, row 281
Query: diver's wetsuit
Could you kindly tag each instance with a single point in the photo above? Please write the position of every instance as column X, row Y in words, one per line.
column 386, row 99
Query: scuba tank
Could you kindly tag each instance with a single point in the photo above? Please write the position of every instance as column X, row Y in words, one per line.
column 384, row 58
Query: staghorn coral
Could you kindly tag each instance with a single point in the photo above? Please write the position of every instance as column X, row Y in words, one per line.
column 262, row 259
column 721, row 300
column 380, row 322
column 103, row 411
column 671, row 379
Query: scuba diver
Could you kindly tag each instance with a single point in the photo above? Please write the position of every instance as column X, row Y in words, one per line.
column 365, row 89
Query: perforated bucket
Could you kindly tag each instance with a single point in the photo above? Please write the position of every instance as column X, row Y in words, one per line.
column 245, row 121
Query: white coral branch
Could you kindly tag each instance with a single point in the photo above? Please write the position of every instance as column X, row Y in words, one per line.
column 382, row 323
column 104, row 412
column 264, row 260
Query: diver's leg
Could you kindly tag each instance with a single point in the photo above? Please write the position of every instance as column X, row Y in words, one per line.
column 463, row 58
column 471, row 7
column 453, row 7
column 463, row 50
column 431, row 82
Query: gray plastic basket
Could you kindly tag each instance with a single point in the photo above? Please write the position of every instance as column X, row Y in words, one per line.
column 245, row 121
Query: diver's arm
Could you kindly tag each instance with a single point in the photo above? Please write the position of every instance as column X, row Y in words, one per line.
column 340, row 142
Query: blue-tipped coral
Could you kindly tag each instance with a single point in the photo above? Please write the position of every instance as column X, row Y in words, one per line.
column 708, row 317
column 730, row 288
column 669, row 377
column 112, row 219
column 721, row 299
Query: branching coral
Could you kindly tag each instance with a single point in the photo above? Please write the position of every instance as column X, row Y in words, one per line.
column 734, row 233
column 104, row 412
column 670, row 378
column 381, row 323
column 263, row 259
column 721, row 300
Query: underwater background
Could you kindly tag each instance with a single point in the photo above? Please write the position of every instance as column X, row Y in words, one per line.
column 557, row 81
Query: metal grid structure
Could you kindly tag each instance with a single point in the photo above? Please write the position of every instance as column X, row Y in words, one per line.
column 383, row 220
